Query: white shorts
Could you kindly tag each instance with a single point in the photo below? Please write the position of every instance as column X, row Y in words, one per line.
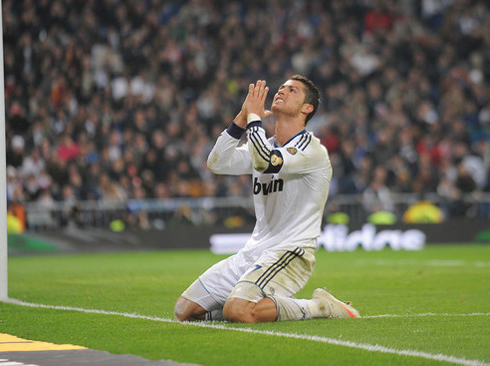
column 281, row 273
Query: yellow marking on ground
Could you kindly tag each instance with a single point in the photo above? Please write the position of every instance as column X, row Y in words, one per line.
column 10, row 343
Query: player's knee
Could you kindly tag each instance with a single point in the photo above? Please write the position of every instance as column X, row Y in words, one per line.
column 181, row 317
column 186, row 310
column 239, row 311
column 180, row 312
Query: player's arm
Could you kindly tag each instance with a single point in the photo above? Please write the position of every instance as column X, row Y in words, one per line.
column 307, row 156
column 265, row 158
column 227, row 157
column 261, row 151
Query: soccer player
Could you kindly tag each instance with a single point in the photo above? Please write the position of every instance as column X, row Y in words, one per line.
column 291, row 175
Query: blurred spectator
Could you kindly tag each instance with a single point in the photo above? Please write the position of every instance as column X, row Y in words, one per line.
column 67, row 149
column 464, row 181
column 14, row 186
column 33, row 164
column 15, row 155
column 380, row 17
column 377, row 196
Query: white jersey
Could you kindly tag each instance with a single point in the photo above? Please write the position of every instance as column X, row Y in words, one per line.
column 290, row 185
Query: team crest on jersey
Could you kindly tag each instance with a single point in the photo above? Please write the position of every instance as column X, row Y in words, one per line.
column 276, row 160
column 292, row 150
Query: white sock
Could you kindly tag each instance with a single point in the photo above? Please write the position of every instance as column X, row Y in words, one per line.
column 289, row 308
column 216, row 314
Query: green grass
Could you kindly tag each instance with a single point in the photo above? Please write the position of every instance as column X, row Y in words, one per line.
column 447, row 280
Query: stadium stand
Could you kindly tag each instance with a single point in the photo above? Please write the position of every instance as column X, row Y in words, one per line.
column 122, row 99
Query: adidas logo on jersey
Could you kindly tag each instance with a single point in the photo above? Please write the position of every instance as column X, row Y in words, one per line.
column 275, row 185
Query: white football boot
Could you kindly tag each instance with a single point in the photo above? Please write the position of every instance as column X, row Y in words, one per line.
column 331, row 307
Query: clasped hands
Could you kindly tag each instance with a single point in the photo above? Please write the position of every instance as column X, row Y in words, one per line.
column 253, row 107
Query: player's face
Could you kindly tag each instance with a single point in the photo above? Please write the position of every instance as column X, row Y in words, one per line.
column 290, row 98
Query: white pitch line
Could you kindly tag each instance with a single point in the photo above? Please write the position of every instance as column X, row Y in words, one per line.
column 422, row 315
column 326, row 340
column 430, row 263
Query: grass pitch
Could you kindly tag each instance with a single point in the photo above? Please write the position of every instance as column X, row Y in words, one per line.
column 430, row 307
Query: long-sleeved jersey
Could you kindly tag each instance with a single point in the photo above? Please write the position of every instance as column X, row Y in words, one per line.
column 290, row 184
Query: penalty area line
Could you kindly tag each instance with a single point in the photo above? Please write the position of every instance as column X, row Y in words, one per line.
column 326, row 340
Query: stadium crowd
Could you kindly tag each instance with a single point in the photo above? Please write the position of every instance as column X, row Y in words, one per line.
column 119, row 99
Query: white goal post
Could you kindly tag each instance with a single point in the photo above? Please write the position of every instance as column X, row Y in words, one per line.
column 3, row 178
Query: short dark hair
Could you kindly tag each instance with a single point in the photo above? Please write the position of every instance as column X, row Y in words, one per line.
column 312, row 94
